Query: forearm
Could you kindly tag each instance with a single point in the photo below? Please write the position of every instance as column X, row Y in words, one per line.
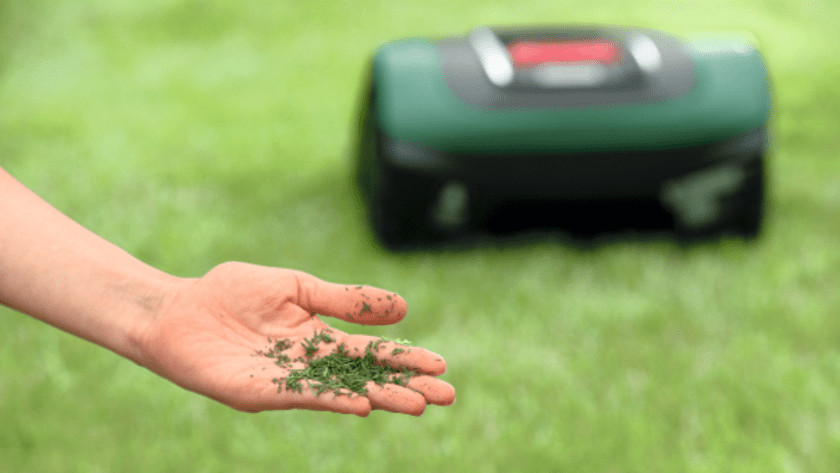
column 59, row 272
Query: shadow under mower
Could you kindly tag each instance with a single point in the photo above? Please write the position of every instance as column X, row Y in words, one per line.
column 583, row 128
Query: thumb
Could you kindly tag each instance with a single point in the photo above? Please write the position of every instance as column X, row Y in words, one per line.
column 359, row 304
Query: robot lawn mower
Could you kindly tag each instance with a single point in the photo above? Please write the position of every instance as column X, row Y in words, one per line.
column 587, row 128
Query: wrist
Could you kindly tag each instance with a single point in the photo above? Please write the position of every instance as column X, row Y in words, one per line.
column 141, row 300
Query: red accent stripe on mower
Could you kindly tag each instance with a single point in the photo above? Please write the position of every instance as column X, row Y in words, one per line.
column 533, row 53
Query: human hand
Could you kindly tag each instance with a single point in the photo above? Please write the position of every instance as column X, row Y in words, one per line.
column 207, row 334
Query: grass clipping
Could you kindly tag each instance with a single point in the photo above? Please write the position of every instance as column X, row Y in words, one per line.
column 337, row 372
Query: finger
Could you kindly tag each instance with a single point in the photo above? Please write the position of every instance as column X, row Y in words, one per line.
column 393, row 398
column 435, row 391
column 360, row 304
column 342, row 403
column 274, row 396
column 397, row 355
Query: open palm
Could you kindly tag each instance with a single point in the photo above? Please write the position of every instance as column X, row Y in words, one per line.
column 208, row 333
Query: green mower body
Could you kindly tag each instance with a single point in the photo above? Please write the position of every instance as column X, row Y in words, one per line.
column 577, row 127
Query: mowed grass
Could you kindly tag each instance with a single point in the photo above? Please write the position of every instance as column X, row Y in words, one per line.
column 192, row 133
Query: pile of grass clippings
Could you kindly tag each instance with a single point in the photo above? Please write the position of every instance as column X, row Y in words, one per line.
column 338, row 372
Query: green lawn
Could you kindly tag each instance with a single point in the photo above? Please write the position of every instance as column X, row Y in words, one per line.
column 191, row 133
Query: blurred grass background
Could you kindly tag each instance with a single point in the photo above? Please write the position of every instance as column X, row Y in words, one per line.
column 191, row 133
